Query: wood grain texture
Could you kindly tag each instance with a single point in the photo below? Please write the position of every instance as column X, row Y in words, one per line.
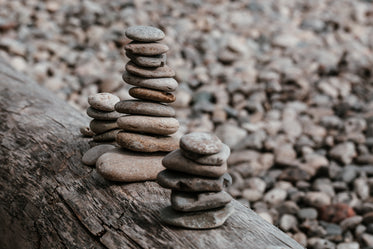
column 49, row 199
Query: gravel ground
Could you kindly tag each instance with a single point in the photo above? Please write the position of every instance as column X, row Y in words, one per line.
column 287, row 84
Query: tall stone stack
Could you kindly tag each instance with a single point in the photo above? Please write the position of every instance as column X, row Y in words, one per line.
column 196, row 174
column 148, row 125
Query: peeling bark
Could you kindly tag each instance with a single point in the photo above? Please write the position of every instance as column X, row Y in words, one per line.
column 49, row 199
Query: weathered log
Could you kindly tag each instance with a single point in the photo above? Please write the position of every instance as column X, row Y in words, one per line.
column 49, row 199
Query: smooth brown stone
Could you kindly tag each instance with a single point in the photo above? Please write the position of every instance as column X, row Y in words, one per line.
column 148, row 124
column 152, row 95
column 197, row 220
column 211, row 159
column 161, row 84
column 127, row 166
column 91, row 155
column 86, row 131
column 176, row 161
column 144, row 108
column 201, row 143
column 148, row 61
column 103, row 101
column 189, row 202
column 147, row 49
column 144, row 33
column 101, row 115
column 147, row 143
column 101, row 126
column 150, row 72
column 106, row 137
column 190, row 183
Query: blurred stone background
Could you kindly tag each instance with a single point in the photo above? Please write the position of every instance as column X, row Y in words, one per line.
column 287, row 84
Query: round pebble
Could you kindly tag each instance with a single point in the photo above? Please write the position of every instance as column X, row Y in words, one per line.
column 101, row 126
column 148, row 61
column 106, row 136
column 153, row 95
column 211, row 159
column 101, row 115
column 86, row 131
column 144, row 33
column 103, row 101
column 189, row 202
column 157, row 72
column 146, row 49
column 201, row 143
column 144, row 108
column 161, row 84
column 91, row 156
column 148, row 124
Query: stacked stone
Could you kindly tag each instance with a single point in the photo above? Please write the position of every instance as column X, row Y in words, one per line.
column 149, row 125
column 196, row 174
column 104, row 123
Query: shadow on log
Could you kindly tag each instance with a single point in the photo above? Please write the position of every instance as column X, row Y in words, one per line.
column 49, row 199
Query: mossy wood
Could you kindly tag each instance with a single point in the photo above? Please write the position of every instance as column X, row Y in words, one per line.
column 49, row 199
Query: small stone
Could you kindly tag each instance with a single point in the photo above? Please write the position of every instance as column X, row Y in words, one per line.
column 285, row 154
column 368, row 218
column 144, row 33
column 101, row 115
column 106, row 137
column 351, row 222
column 148, row 124
column 230, row 134
column 335, row 212
column 344, row 152
column 91, row 156
column 158, row 72
column 212, row 159
column 361, row 188
column 197, row 220
column 251, row 194
column 86, row 131
column 147, row 143
column 161, row 84
column 367, row 239
column 146, row 49
column 317, row 199
column 348, row 245
column 148, row 61
column 153, row 95
column 101, row 126
column 275, row 196
column 288, row 222
column 201, row 143
column 190, row 183
column 307, row 214
column 320, row 243
column 188, row 202
column 103, row 101
column 126, row 166
column 176, row 161
column 144, row 108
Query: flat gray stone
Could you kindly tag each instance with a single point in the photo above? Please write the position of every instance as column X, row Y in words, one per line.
column 146, row 49
column 148, row 124
column 101, row 126
column 148, row 61
column 127, row 166
column 161, row 84
column 212, row 159
column 197, row 220
column 101, row 115
column 201, row 143
column 189, row 183
column 147, row 143
column 144, row 33
column 176, row 161
column 141, row 107
column 189, row 202
column 103, row 101
column 91, row 156
column 108, row 136
column 150, row 72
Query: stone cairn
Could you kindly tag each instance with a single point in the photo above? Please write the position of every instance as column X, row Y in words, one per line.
column 148, row 124
column 196, row 174
column 104, row 124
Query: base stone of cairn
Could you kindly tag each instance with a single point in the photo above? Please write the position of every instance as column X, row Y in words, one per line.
column 197, row 175
column 147, row 123
column 104, row 125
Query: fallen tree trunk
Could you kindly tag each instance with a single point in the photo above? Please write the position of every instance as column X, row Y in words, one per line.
column 49, row 199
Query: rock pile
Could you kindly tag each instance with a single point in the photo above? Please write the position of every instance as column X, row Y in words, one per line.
column 149, row 123
column 196, row 173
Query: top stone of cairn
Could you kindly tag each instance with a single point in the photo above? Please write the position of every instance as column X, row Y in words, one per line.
column 144, row 33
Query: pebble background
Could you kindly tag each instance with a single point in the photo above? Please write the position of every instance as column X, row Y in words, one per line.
column 287, row 84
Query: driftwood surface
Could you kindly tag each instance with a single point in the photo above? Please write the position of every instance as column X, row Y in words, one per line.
column 49, row 199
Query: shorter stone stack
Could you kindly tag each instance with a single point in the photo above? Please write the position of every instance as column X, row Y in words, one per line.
column 104, row 123
column 196, row 174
